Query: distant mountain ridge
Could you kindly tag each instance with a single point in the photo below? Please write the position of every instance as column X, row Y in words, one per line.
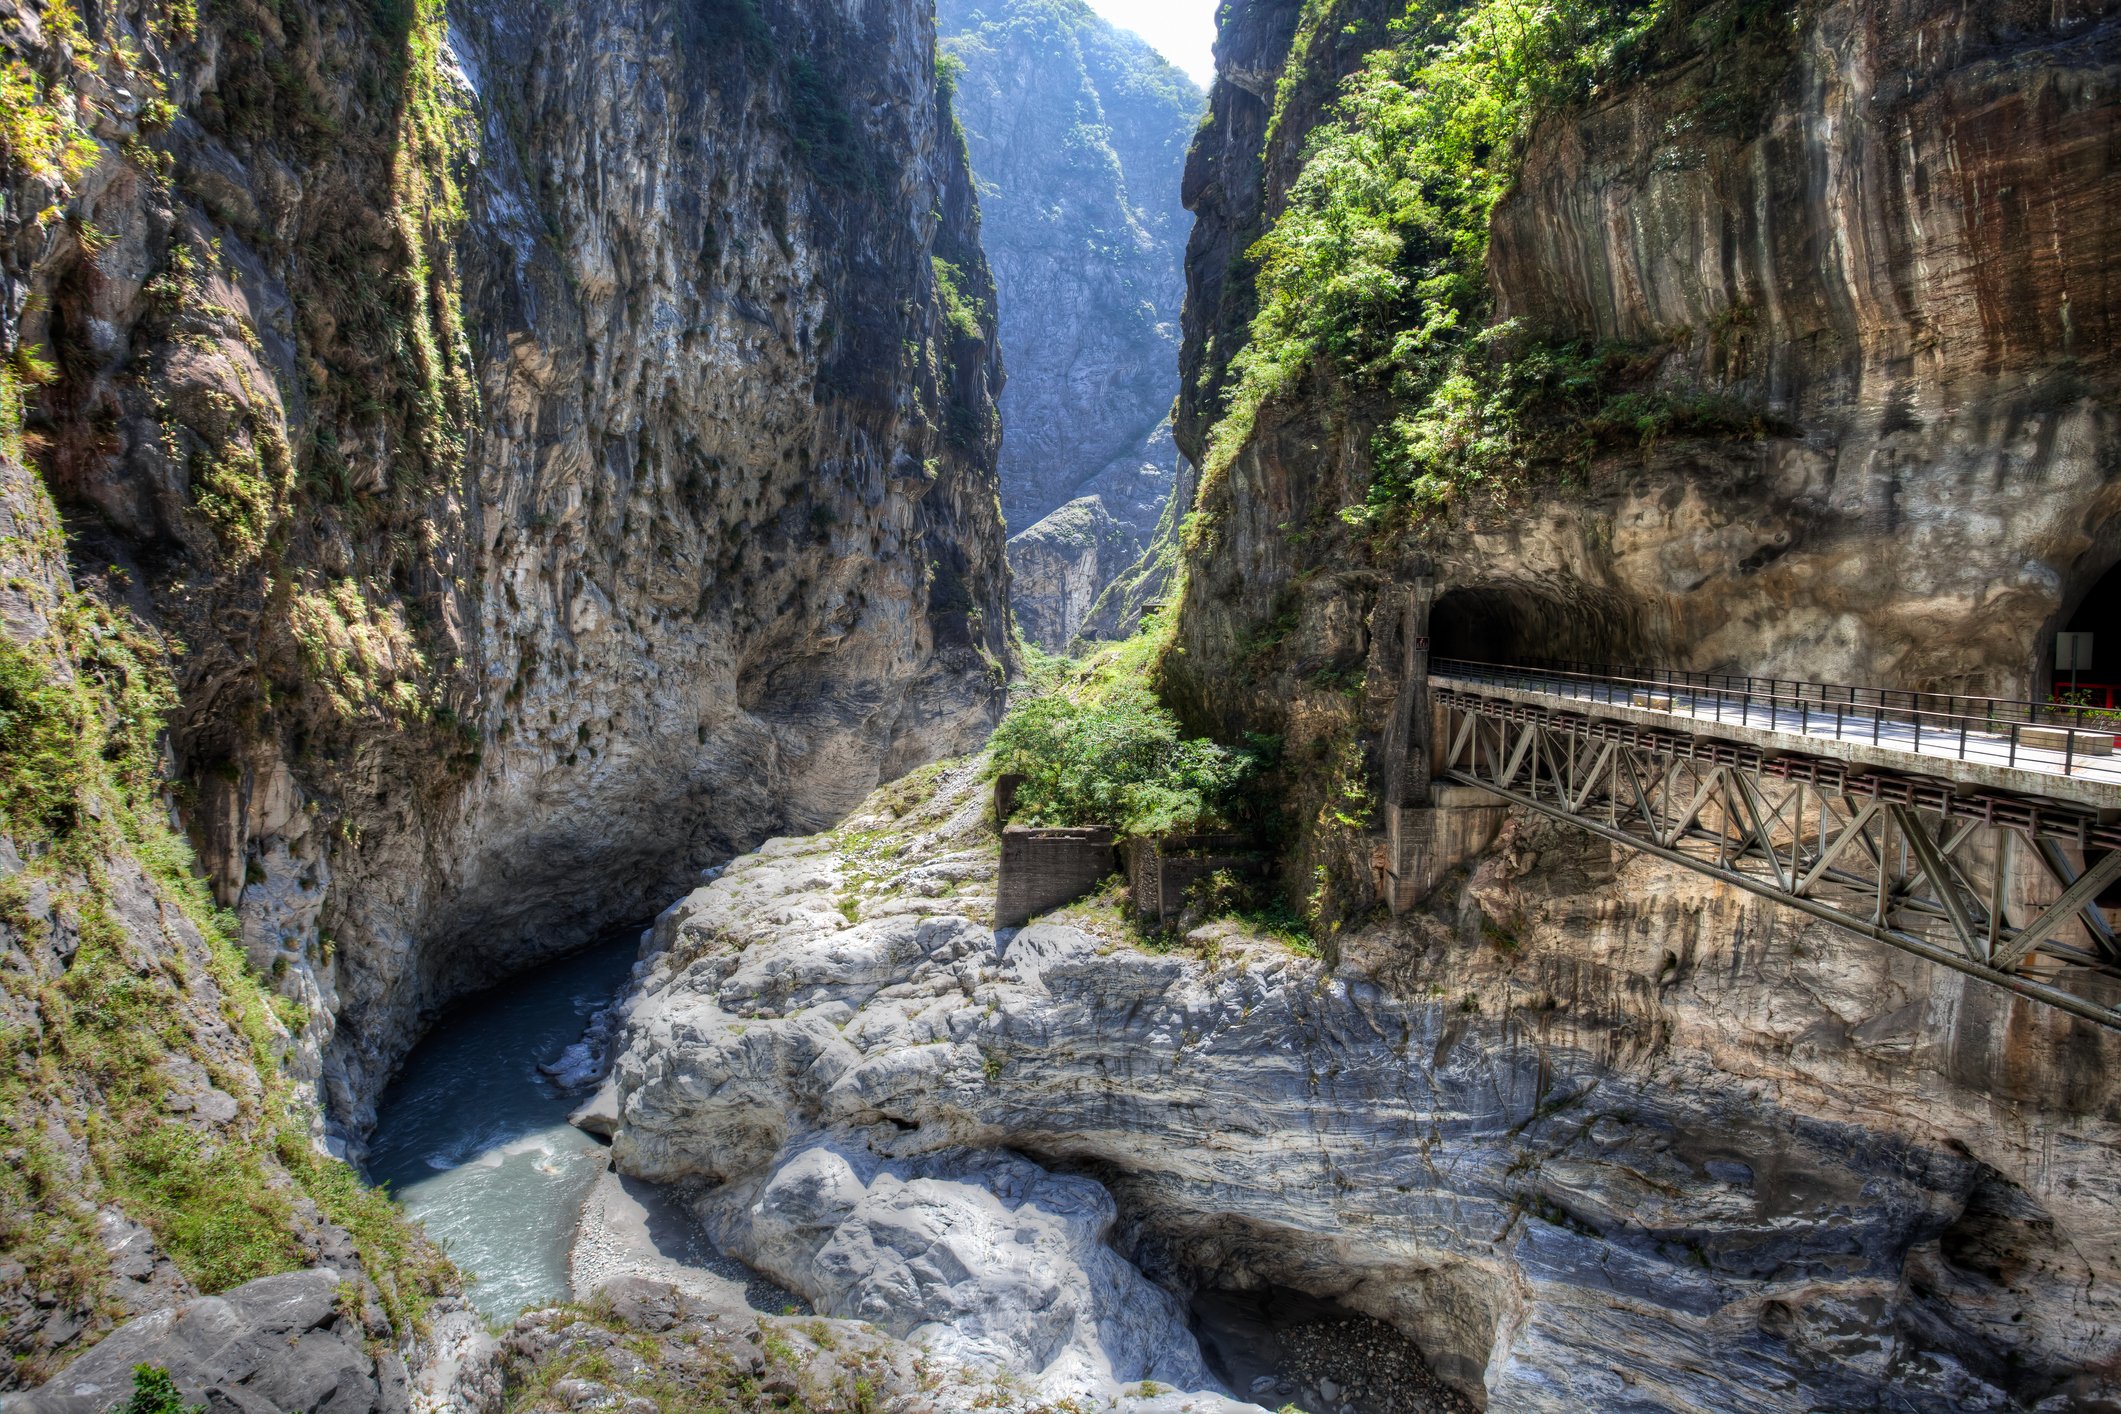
column 1078, row 132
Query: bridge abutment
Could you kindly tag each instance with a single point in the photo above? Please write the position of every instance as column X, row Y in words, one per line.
column 1423, row 843
column 1430, row 826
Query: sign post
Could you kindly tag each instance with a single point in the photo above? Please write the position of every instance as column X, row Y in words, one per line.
column 2073, row 652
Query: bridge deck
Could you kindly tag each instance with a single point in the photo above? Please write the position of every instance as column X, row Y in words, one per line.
column 1994, row 868
column 2011, row 759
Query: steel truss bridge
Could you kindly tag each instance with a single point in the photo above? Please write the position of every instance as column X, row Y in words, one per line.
column 1994, row 870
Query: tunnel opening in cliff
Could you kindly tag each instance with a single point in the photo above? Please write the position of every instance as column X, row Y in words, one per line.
column 1522, row 625
column 2098, row 613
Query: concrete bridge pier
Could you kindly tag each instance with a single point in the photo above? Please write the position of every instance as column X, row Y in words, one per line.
column 1424, row 843
column 1429, row 826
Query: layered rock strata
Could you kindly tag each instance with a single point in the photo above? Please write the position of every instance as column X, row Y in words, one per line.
column 1595, row 1133
column 642, row 1345
column 278, row 1343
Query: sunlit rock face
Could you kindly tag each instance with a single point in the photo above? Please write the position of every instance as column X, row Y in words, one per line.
column 559, row 444
column 1078, row 135
column 1915, row 487
column 1835, row 234
column 1663, row 1148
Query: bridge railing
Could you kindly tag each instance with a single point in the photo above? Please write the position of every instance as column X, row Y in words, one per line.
column 2045, row 736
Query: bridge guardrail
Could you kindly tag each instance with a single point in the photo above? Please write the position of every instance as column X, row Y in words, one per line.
column 2002, row 886
column 2016, row 733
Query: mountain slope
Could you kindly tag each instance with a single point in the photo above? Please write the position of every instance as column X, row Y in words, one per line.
column 1078, row 134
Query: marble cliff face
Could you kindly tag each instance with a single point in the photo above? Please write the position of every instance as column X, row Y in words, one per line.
column 1883, row 235
column 1078, row 135
column 1834, row 232
column 1668, row 1148
column 562, row 442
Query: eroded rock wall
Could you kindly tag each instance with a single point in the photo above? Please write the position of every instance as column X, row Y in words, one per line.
column 559, row 447
column 735, row 476
column 1887, row 237
column 1808, row 225
column 1599, row 1135
column 1903, row 255
column 1892, row 245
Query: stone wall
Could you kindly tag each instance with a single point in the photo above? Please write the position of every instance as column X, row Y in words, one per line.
column 1045, row 868
column 1161, row 868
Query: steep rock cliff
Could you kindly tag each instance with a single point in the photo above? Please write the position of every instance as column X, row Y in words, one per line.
column 735, row 476
column 1078, row 135
column 523, row 454
column 1808, row 226
column 1819, row 298
column 564, row 447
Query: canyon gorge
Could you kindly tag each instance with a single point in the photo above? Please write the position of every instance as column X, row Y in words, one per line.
column 482, row 476
column 1078, row 133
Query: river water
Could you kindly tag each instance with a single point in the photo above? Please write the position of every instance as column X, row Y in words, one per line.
column 473, row 1136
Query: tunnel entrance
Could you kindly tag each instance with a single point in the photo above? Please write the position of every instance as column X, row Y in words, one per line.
column 1523, row 626
column 2098, row 614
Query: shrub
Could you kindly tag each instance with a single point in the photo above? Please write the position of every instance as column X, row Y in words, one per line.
column 1255, row 902
column 154, row 1392
column 35, row 133
column 961, row 311
column 1120, row 760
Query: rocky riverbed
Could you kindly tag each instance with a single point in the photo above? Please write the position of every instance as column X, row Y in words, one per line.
column 988, row 1142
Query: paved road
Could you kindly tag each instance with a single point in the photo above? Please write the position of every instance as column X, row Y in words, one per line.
column 1705, row 707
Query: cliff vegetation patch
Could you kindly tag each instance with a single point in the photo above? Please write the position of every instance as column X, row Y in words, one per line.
column 1373, row 274
column 1096, row 747
column 145, row 1054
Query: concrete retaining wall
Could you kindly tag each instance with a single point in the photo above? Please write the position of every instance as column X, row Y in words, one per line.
column 1045, row 868
column 1160, row 870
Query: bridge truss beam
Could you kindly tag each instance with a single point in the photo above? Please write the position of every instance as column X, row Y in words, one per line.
column 1899, row 859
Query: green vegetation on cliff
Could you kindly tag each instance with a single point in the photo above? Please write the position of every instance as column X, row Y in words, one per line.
column 1374, row 273
column 145, row 1056
column 154, row 1392
column 1095, row 747
column 126, row 991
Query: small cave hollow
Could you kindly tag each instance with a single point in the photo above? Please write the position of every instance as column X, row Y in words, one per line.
column 1277, row 1346
column 1522, row 626
column 1281, row 1321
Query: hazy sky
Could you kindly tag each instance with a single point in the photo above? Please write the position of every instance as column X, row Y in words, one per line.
column 1183, row 31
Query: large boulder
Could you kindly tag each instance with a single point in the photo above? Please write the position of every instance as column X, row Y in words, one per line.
column 277, row 1345
column 983, row 1257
